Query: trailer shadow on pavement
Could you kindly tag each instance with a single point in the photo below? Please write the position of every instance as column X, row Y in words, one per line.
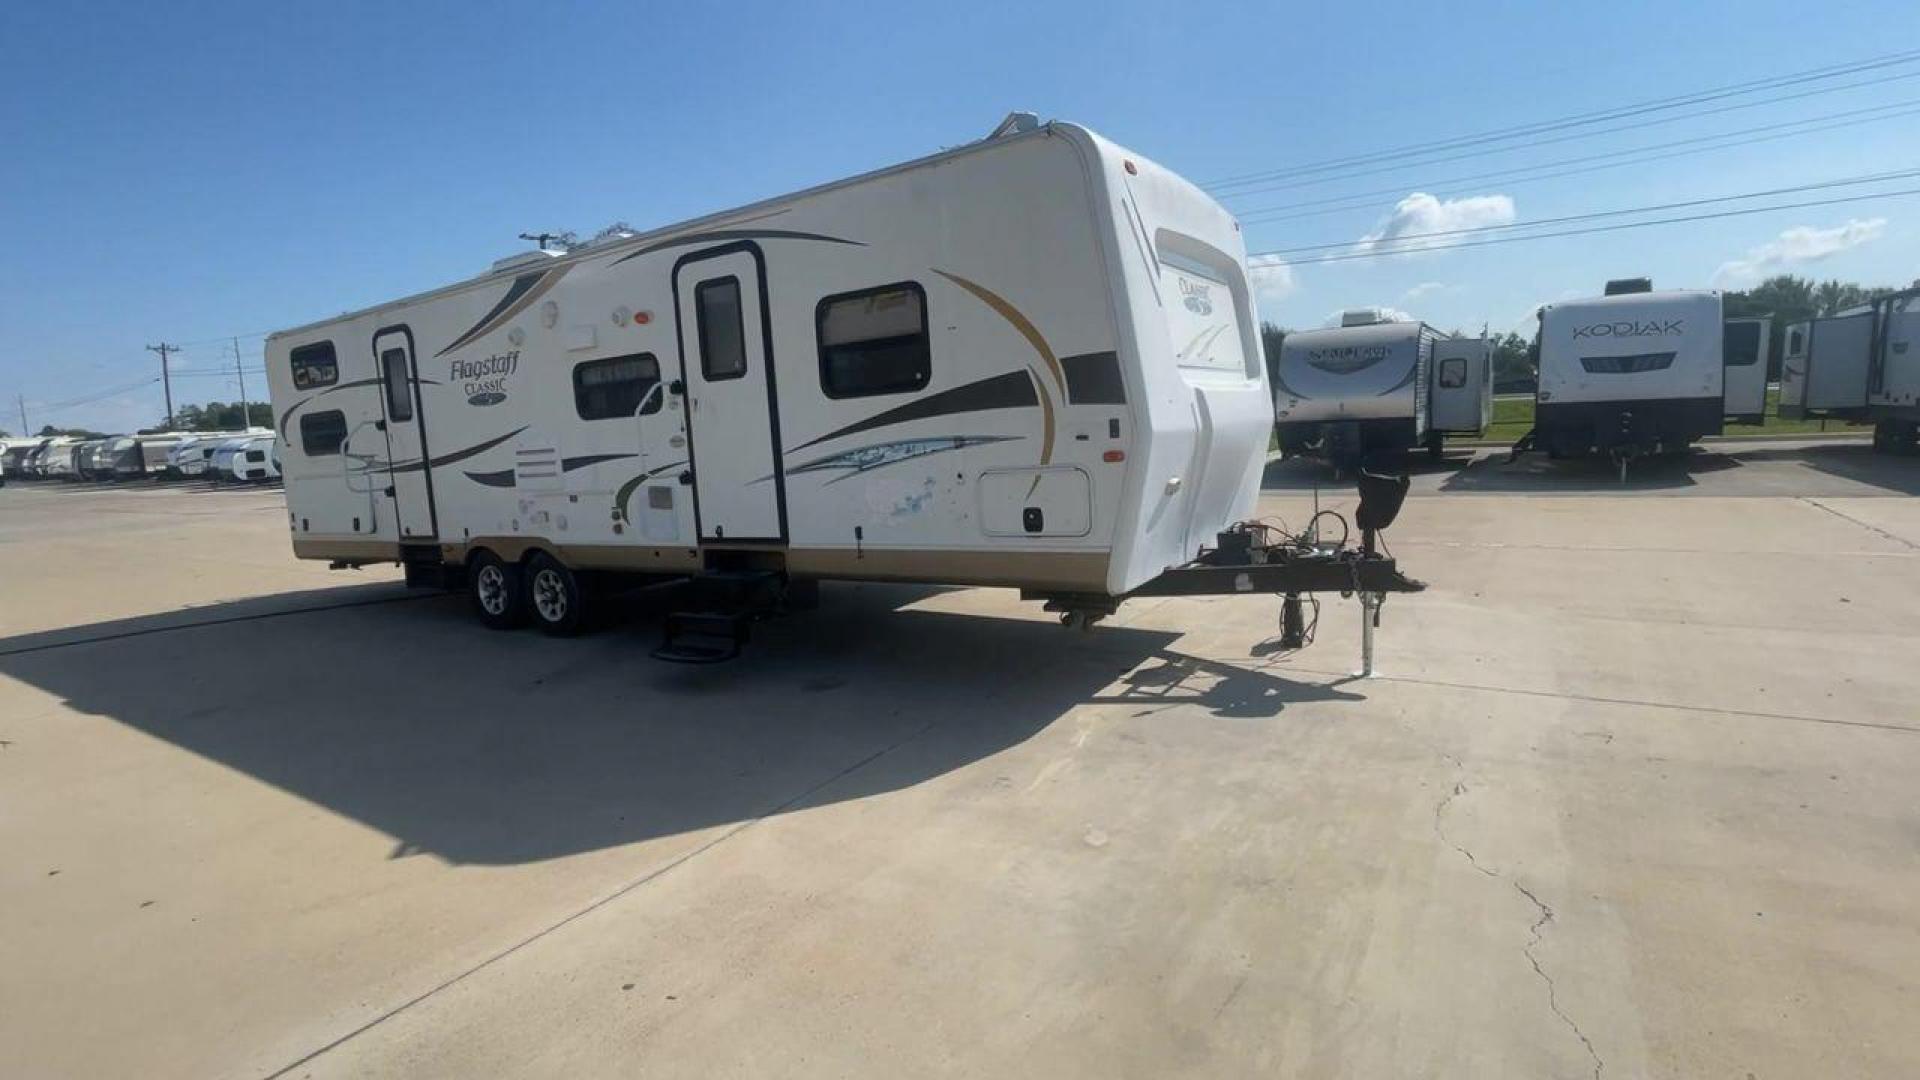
column 1536, row 474
column 398, row 711
column 1854, row 460
column 1305, row 473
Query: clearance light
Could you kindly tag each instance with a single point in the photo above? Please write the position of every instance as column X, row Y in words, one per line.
column 1114, row 455
column 1131, row 171
column 642, row 318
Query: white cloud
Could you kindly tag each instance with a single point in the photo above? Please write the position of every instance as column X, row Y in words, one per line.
column 1425, row 288
column 1800, row 244
column 1421, row 214
column 1272, row 278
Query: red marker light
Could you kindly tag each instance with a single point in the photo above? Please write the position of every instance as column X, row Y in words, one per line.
column 1114, row 455
column 642, row 318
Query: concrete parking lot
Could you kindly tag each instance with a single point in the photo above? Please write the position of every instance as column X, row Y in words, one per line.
column 1634, row 796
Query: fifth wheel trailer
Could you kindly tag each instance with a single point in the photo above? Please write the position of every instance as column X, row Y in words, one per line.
column 1031, row 361
column 1373, row 385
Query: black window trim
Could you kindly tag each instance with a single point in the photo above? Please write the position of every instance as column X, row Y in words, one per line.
column 306, row 439
column 650, row 402
column 1461, row 361
column 820, row 340
column 700, row 325
column 294, row 363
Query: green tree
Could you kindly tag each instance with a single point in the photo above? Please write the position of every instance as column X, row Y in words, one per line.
column 1514, row 364
column 1271, row 338
column 221, row 416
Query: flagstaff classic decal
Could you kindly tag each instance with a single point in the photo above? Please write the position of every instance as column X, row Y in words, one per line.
column 484, row 381
column 1197, row 297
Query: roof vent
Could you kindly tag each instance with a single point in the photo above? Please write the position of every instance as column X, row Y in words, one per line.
column 1363, row 316
column 1623, row 286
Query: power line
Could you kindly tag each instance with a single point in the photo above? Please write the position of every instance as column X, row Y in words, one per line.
column 1405, row 238
column 1517, row 175
column 1282, row 183
column 97, row 395
column 1580, row 119
column 1350, row 256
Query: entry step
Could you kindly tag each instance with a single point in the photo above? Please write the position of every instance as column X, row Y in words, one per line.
column 703, row 637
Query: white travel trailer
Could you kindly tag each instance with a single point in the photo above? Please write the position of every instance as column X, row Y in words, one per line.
column 62, row 461
column 1744, row 344
column 1629, row 373
column 254, row 460
column 17, row 459
column 54, row 458
column 1371, row 384
column 1031, row 361
column 1893, row 378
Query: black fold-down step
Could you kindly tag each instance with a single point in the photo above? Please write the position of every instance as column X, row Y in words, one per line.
column 703, row 637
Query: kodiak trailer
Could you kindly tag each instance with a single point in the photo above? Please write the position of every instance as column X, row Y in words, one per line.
column 1032, row 361
column 1371, row 385
column 1630, row 373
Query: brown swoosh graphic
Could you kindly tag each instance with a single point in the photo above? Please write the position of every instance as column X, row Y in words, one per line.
column 735, row 234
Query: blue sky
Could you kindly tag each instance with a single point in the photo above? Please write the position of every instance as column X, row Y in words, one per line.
column 191, row 172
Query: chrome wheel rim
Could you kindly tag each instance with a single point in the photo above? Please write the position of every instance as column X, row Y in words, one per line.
column 549, row 596
column 491, row 588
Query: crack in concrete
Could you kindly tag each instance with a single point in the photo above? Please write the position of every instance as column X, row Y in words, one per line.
column 1553, row 997
column 1440, row 828
column 1534, row 931
column 1870, row 528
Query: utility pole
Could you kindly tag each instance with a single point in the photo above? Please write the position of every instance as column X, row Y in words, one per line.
column 166, row 380
column 246, row 420
column 21, row 400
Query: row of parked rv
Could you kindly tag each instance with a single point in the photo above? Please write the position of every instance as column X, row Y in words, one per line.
column 248, row 456
column 1628, row 373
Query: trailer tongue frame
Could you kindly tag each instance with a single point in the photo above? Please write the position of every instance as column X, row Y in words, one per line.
column 1245, row 559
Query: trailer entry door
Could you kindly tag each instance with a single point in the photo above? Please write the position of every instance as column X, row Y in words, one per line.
column 409, row 479
column 732, row 418
column 1462, row 374
column 1745, row 347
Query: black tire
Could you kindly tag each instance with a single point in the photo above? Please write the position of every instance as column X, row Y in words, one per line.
column 554, row 599
column 1435, row 447
column 493, row 585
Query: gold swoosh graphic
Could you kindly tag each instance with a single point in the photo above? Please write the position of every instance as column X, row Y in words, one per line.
column 1027, row 330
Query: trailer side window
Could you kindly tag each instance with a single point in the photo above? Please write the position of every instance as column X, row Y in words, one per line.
column 321, row 433
column 393, row 372
column 874, row 341
column 723, row 336
column 1740, row 344
column 1453, row 373
column 314, row 366
column 615, row 387
column 1794, row 341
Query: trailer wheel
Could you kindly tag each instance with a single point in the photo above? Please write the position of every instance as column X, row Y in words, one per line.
column 494, row 587
column 553, row 596
column 1435, row 447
